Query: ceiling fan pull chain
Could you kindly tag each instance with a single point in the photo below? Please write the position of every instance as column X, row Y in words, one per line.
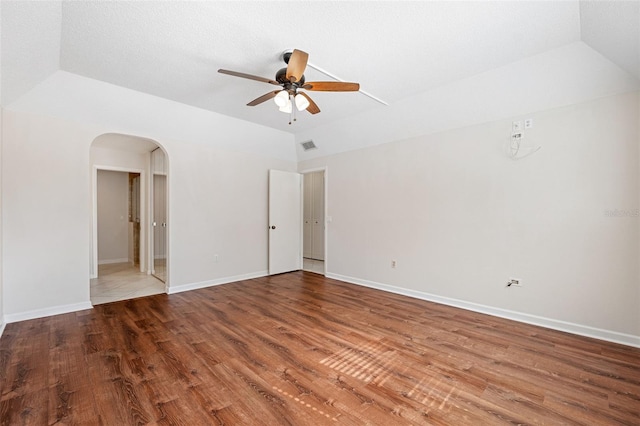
column 293, row 108
column 291, row 112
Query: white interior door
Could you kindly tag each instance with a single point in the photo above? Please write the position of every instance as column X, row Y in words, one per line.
column 285, row 221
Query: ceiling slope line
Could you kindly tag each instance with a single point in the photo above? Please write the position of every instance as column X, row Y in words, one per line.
column 327, row 73
column 335, row 77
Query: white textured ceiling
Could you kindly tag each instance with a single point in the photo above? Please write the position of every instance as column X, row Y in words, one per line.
column 393, row 49
column 613, row 29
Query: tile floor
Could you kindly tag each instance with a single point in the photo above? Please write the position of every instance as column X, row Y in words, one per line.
column 312, row 265
column 160, row 269
column 121, row 281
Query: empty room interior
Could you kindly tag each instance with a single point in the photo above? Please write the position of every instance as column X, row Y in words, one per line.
column 309, row 213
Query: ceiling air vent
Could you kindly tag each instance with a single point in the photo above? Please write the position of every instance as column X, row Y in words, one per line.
column 308, row 145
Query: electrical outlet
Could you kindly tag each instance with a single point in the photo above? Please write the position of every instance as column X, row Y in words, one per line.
column 528, row 123
column 516, row 126
column 393, row 263
column 514, row 282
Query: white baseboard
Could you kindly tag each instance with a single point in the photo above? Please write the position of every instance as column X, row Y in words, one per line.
column 47, row 312
column 219, row 281
column 110, row 261
column 2, row 326
column 582, row 330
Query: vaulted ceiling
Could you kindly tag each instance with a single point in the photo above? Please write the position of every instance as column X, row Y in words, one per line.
column 394, row 49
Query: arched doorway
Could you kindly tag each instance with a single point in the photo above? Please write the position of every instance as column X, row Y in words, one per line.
column 127, row 202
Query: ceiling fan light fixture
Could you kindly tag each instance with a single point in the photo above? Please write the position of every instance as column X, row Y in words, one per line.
column 282, row 98
column 302, row 102
column 287, row 107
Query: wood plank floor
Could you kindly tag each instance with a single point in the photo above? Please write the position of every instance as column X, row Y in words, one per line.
column 300, row 349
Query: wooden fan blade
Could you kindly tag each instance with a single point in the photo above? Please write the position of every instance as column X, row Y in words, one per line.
column 331, row 86
column 249, row 76
column 312, row 108
column 297, row 65
column 263, row 98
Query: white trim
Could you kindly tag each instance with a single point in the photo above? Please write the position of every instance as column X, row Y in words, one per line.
column 110, row 261
column 2, row 326
column 582, row 330
column 219, row 281
column 47, row 312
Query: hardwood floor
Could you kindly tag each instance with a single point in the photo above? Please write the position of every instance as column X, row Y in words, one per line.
column 301, row 349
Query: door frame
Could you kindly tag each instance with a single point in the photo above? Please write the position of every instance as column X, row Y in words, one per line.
column 94, row 228
column 327, row 218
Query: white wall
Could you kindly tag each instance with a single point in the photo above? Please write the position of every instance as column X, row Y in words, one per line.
column 461, row 218
column 218, row 205
column 107, row 157
column 119, row 110
column 113, row 216
column 217, row 192
column 45, row 189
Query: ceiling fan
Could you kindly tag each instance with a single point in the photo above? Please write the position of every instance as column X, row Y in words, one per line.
column 292, row 80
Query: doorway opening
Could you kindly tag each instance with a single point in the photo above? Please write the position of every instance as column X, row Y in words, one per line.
column 124, row 240
column 313, row 232
column 119, row 274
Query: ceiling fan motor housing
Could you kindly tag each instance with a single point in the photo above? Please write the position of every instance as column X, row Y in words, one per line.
column 281, row 77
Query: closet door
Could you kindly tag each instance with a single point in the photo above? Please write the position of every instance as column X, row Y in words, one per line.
column 307, row 215
column 317, row 208
column 159, row 223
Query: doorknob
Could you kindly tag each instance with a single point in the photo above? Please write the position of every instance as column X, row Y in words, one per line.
column 273, row 227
